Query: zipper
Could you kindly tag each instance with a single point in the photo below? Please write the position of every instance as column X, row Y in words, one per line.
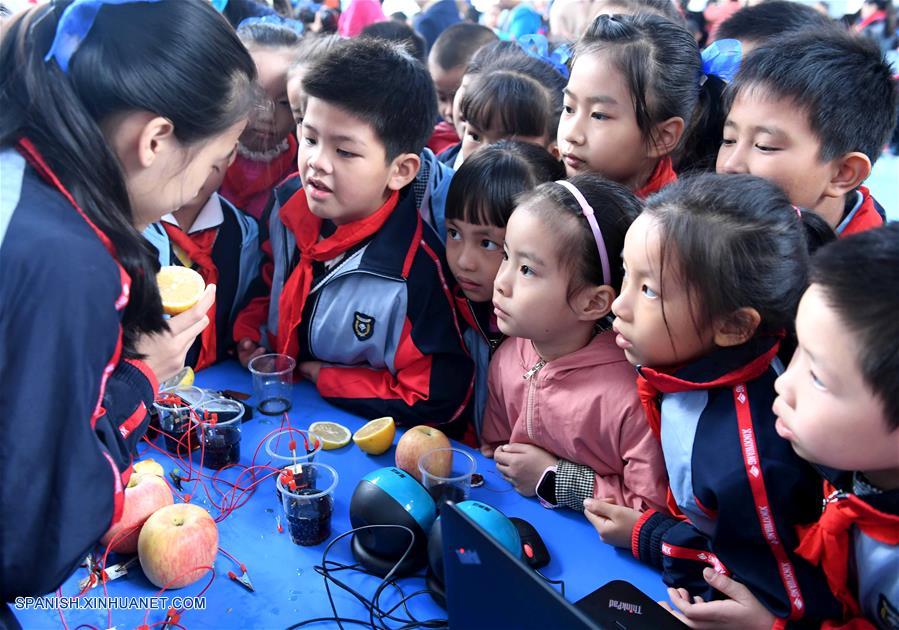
column 532, row 388
column 492, row 343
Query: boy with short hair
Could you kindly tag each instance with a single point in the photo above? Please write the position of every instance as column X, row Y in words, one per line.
column 838, row 405
column 447, row 61
column 811, row 112
column 754, row 25
column 358, row 284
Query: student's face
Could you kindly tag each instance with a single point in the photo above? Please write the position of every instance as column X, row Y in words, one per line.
column 474, row 253
column 179, row 176
column 274, row 121
column 342, row 163
column 639, row 319
column 598, row 130
column 824, row 407
column 475, row 139
column 447, row 83
column 530, row 294
column 212, row 183
column 296, row 96
column 771, row 138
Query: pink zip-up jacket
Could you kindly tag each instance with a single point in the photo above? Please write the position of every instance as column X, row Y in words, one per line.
column 582, row 407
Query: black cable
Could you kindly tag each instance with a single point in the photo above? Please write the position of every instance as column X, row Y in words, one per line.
column 561, row 583
column 308, row 622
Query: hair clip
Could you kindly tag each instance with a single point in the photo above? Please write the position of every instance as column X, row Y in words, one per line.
column 74, row 25
column 721, row 59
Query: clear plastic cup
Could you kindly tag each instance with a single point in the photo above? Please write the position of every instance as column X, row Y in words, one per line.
column 218, row 424
column 175, row 409
column 272, row 382
column 306, row 447
column 308, row 505
column 446, row 473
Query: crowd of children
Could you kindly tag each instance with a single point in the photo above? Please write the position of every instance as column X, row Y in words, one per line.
column 652, row 292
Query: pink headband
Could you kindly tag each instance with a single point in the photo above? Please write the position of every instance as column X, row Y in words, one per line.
column 597, row 234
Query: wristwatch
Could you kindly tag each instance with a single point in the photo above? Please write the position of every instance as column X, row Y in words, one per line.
column 546, row 488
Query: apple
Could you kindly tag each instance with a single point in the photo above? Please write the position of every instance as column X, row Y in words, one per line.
column 174, row 540
column 150, row 466
column 144, row 494
column 416, row 442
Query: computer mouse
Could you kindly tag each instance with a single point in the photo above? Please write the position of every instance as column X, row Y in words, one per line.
column 533, row 549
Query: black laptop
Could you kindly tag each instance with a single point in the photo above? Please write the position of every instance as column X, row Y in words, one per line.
column 487, row 587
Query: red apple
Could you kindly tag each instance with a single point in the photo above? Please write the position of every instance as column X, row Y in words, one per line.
column 176, row 539
column 416, row 442
column 144, row 494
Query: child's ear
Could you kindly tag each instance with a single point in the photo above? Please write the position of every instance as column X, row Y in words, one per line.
column 849, row 172
column 737, row 328
column 596, row 302
column 553, row 148
column 665, row 137
column 403, row 170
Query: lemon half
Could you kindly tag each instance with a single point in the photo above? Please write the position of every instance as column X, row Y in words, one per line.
column 331, row 434
column 376, row 436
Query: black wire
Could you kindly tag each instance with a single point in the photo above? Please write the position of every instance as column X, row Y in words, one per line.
column 328, row 567
column 561, row 583
column 308, row 622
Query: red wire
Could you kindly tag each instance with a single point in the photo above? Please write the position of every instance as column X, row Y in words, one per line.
column 59, row 610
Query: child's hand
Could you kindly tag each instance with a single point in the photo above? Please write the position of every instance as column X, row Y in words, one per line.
column 165, row 351
column 487, row 451
column 247, row 350
column 310, row 369
column 741, row 610
column 613, row 522
column 522, row 465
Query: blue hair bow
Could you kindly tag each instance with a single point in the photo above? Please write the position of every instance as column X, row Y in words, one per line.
column 275, row 20
column 73, row 27
column 537, row 46
column 722, row 59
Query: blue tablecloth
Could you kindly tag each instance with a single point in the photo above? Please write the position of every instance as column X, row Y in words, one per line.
column 288, row 590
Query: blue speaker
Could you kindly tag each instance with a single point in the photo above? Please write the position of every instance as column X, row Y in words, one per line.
column 491, row 520
column 390, row 496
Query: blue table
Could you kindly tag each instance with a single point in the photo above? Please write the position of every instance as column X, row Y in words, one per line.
column 288, row 590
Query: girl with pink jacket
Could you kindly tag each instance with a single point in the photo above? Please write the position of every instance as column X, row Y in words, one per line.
column 563, row 418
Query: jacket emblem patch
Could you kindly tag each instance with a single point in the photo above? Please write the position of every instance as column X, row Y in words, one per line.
column 363, row 326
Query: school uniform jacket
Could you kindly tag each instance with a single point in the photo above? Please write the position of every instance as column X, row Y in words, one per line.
column 237, row 258
column 739, row 485
column 382, row 321
column 856, row 543
column 73, row 407
column 862, row 213
column 481, row 343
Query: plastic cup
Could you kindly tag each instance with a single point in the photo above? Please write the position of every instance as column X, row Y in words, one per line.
column 175, row 409
column 272, row 382
column 218, row 424
column 306, row 447
column 308, row 505
column 453, row 485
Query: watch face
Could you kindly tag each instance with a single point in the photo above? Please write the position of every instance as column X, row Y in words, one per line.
column 546, row 487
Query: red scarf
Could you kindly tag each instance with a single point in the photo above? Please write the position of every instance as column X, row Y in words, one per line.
column 877, row 16
column 198, row 247
column 651, row 383
column 866, row 217
column 662, row 176
column 243, row 182
column 827, row 542
column 306, row 227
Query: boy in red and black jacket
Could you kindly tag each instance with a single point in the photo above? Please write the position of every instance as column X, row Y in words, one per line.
column 359, row 292
column 838, row 406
